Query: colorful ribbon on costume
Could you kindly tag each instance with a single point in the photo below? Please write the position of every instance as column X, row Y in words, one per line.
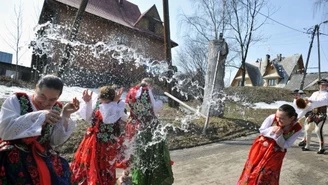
column 43, row 170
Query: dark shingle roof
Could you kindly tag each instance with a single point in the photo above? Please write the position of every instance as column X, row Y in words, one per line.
column 290, row 62
column 310, row 78
column 254, row 74
column 126, row 13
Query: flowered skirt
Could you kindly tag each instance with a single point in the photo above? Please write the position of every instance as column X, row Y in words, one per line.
column 94, row 162
column 264, row 163
column 19, row 167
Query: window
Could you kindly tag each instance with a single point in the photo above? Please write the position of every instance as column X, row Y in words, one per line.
column 272, row 82
column 152, row 25
column 239, row 83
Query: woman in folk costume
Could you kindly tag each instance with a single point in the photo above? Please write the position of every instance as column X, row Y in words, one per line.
column 151, row 164
column 95, row 158
column 30, row 125
column 278, row 132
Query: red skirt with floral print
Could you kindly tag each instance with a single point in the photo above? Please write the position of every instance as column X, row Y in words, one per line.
column 264, row 163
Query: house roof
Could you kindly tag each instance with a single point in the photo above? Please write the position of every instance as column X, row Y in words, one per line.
column 253, row 73
column 273, row 75
column 283, row 67
column 309, row 81
column 144, row 14
column 290, row 62
column 126, row 13
column 6, row 57
column 280, row 73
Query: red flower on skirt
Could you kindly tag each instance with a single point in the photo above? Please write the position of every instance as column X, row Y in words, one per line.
column 57, row 165
column 33, row 171
column 29, row 159
column 20, row 174
column 2, row 172
column 13, row 156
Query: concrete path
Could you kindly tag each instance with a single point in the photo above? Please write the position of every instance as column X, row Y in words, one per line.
column 221, row 163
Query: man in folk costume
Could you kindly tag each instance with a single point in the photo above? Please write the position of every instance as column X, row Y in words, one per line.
column 151, row 164
column 296, row 95
column 316, row 118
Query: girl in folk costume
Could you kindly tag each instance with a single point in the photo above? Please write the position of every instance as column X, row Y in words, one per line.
column 278, row 132
column 95, row 158
column 30, row 125
column 151, row 164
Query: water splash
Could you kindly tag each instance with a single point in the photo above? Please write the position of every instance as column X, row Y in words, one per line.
column 109, row 54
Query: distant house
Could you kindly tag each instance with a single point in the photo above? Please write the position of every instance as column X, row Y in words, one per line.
column 310, row 82
column 273, row 73
column 104, row 22
column 9, row 69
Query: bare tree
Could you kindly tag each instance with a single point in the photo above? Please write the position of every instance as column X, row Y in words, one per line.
column 192, row 58
column 209, row 19
column 244, row 24
column 13, row 40
column 321, row 5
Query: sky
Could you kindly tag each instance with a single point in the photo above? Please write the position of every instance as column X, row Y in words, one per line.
column 298, row 15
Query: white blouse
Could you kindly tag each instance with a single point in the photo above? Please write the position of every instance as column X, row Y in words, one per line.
column 266, row 130
column 111, row 112
column 16, row 126
column 318, row 99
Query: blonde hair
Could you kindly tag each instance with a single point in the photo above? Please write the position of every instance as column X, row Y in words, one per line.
column 107, row 93
column 147, row 81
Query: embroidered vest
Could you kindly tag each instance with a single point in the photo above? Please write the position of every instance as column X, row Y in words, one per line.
column 47, row 128
column 105, row 132
column 141, row 108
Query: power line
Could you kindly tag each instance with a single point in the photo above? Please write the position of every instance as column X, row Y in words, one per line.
column 324, row 34
column 282, row 24
column 324, row 53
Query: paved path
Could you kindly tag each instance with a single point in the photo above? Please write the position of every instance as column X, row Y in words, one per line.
column 221, row 163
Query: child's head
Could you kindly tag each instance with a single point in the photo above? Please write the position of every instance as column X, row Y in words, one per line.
column 106, row 94
column 286, row 114
column 147, row 82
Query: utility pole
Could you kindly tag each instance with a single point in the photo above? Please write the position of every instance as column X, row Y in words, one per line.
column 316, row 30
column 318, row 33
column 167, row 46
column 72, row 37
column 316, row 27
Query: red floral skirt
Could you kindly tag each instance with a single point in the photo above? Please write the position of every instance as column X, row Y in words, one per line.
column 94, row 162
column 19, row 167
column 264, row 163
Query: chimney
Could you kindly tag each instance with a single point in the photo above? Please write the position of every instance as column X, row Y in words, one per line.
column 267, row 60
column 279, row 57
